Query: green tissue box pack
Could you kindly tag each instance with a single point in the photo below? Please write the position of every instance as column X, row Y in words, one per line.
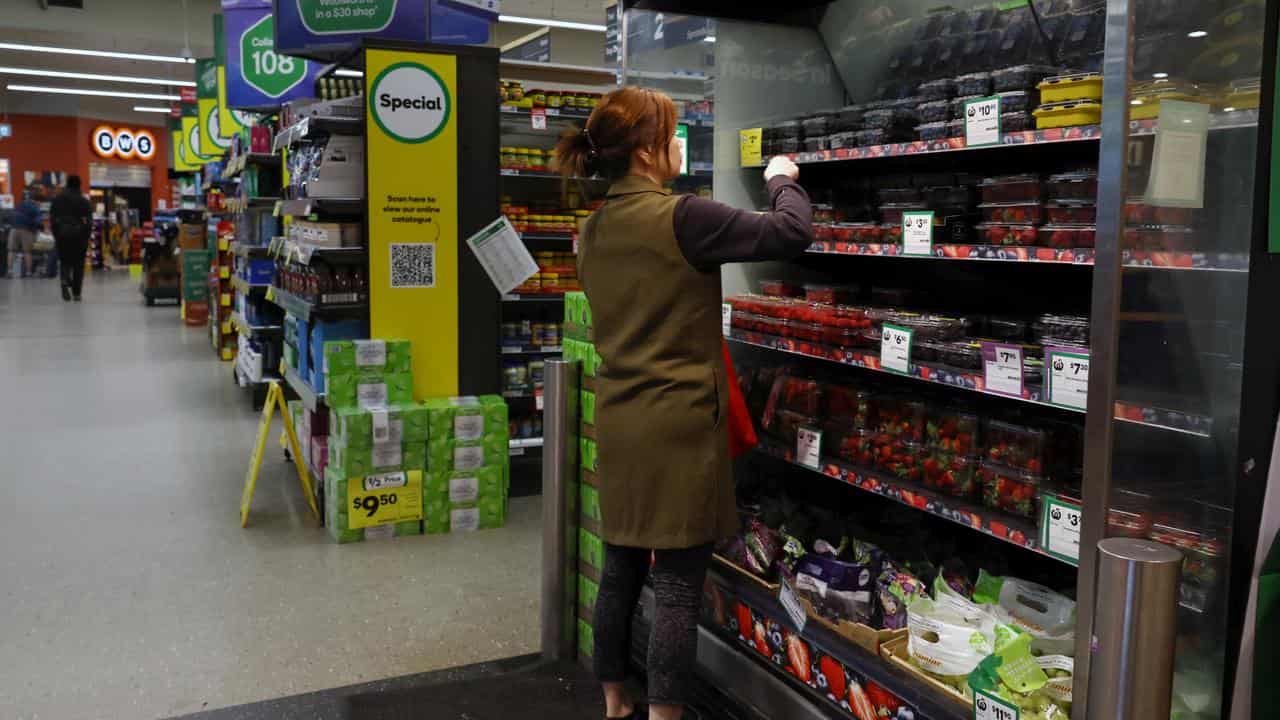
column 447, row 454
column 588, row 457
column 435, row 517
column 466, row 418
column 352, row 461
column 484, row 515
column 348, row 357
column 368, row 389
column 587, row 407
column 355, row 427
column 337, row 521
column 465, row 487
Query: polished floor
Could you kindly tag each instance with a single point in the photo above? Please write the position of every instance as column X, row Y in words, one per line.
column 127, row 587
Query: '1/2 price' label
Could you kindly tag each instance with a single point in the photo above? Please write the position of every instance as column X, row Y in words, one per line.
column 989, row 707
column 1068, row 378
column 982, row 121
column 384, row 498
column 895, row 348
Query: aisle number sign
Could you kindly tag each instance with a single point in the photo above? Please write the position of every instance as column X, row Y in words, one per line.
column 384, row 498
column 982, row 121
column 895, row 349
column 917, row 233
column 989, row 707
column 1068, row 377
column 750, row 145
column 257, row 75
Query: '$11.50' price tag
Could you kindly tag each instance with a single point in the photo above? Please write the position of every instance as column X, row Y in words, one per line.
column 989, row 707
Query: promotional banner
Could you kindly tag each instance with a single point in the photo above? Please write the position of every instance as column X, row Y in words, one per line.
column 258, row 76
column 413, row 214
column 178, row 149
column 462, row 23
column 190, row 126
column 228, row 120
column 314, row 25
column 212, row 142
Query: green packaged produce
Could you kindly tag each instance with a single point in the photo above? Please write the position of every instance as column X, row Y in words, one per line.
column 591, row 549
column 589, row 502
column 382, row 457
column 483, row 515
column 586, row 638
column 368, row 389
column 448, row 454
column 466, row 487
column 359, row 427
column 588, row 590
column 466, row 418
column 349, row 357
column 435, row 517
column 588, row 407
column 339, row 513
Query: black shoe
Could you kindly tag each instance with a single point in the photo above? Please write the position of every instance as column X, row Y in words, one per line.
column 66, row 293
column 77, row 298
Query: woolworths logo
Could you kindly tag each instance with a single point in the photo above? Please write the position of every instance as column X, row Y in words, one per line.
column 410, row 102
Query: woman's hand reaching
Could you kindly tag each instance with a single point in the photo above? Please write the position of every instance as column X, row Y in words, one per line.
column 781, row 165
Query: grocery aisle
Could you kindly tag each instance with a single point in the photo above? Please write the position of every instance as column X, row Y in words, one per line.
column 131, row 591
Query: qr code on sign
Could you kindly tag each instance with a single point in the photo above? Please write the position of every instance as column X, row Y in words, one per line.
column 413, row 265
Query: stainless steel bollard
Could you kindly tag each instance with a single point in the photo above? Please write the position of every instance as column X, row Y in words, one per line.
column 559, row 508
column 1135, row 623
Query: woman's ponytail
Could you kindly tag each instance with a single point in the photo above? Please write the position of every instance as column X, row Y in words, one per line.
column 625, row 121
column 575, row 154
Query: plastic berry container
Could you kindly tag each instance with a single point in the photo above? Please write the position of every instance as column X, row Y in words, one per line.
column 927, row 351
column 962, row 355
column 1007, row 329
column 1016, row 101
column 831, row 294
column 1011, row 490
column 780, row 288
column 823, row 213
column 946, row 197
column 884, row 118
column 1129, row 515
column 784, row 146
column 840, row 140
column 953, row 431
column 901, row 459
column 1067, row 236
column 1072, row 212
column 1006, row 234
column 934, row 327
column 901, row 418
column 1174, row 238
column 1016, row 446
column 787, row 130
column 796, row 394
column 943, row 89
column 957, row 105
column 898, row 195
column 849, row 442
column 934, row 111
column 1016, row 122
column 817, row 125
column 815, row 144
column 891, row 213
column 891, row 234
column 1014, row 188
column 1137, row 212
column 1063, row 329
column 846, row 119
column 1203, row 559
column 822, row 231
column 974, row 85
column 1023, row 213
column 951, row 474
column 955, row 128
column 873, row 136
column 930, row 132
column 1020, row 77
column 807, row 331
column 849, row 404
column 1081, row 185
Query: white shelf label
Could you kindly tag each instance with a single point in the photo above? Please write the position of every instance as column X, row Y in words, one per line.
column 809, row 447
column 1060, row 528
column 1068, row 378
column 1002, row 368
column 895, row 349
column 982, row 121
column 538, row 402
column 538, row 118
column 917, row 233
column 726, row 319
column 792, row 605
column 989, row 707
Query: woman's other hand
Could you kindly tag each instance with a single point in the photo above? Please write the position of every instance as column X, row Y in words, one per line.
column 781, row 165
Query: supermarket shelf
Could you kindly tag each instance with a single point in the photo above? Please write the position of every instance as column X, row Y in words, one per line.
column 246, row 329
column 1235, row 120
column 545, row 237
column 1138, row 259
column 239, row 205
column 526, row 443
column 258, row 251
column 860, row 665
column 1185, row 422
column 309, row 126
column 310, row 398
column 304, row 252
column 332, row 206
column 929, row 147
column 244, row 288
column 1002, row 526
column 554, row 74
column 533, row 298
column 518, row 394
column 301, row 308
column 508, row 112
column 236, row 166
column 508, row 172
column 531, row 350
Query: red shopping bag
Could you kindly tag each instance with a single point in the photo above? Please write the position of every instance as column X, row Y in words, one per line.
column 742, row 433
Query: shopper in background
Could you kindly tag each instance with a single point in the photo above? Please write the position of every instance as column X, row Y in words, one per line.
column 649, row 262
column 72, row 219
column 26, row 223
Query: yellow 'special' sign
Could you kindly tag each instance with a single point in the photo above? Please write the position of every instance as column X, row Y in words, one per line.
column 384, row 498
column 750, row 146
column 412, row 122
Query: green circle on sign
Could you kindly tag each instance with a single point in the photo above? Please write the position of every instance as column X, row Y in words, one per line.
column 373, row 108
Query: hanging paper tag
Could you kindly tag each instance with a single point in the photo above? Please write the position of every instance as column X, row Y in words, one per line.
column 538, row 118
column 750, row 147
column 809, row 447
column 792, row 605
column 371, row 353
column 1068, row 377
column 1002, row 368
column 989, row 707
column 895, row 348
column 381, row 425
column 982, row 121
column 917, row 233
column 1060, row 528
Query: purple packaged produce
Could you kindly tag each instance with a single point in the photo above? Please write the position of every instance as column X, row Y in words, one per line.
column 943, row 89
column 1072, row 330
column 838, row 590
column 895, row 590
column 1012, row 188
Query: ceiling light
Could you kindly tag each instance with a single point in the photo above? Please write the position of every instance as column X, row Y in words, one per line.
column 95, row 53
column 148, row 108
column 709, row 38
column 97, row 93
column 344, row 72
column 1135, row 101
column 92, row 76
column 1159, row 76
column 517, row 20
column 1197, row 34
column 1228, row 109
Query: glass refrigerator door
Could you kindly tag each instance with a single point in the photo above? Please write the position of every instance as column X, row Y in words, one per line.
column 1185, row 207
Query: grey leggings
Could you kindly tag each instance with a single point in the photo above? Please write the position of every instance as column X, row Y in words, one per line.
column 673, row 639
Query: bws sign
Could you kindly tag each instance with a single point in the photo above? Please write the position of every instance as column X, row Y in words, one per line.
column 109, row 142
column 410, row 102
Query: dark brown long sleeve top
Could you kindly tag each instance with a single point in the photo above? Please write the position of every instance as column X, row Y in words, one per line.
column 711, row 234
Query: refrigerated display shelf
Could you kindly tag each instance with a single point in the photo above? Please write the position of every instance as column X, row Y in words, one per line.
column 303, row 129
column 302, row 252
column 307, row 394
column 259, row 251
column 772, row 637
column 973, row 515
column 1220, row 262
column 244, row 288
column 510, row 172
column 1186, row 422
column 237, row 165
column 531, row 349
column 928, row 147
column 304, row 309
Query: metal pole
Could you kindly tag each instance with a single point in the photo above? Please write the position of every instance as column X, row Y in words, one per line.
column 1135, row 622
column 559, row 508
column 1103, row 337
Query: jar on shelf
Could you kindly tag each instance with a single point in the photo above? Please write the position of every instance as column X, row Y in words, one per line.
column 538, row 97
column 555, row 99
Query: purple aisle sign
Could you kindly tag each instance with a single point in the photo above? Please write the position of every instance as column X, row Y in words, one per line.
column 257, row 75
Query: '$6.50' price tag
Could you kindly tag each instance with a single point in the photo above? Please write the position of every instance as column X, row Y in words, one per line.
column 989, row 707
column 384, row 498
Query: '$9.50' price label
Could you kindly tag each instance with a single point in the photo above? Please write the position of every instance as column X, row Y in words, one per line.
column 384, row 498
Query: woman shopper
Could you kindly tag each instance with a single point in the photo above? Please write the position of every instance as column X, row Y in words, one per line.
column 650, row 262
column 71, row 216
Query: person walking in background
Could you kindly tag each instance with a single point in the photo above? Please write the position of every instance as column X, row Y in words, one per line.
column 72, row 219
column 26, row 223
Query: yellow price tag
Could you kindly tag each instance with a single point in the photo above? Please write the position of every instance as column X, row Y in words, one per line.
column 276, row 210
column 750, row 144
column 384, row 498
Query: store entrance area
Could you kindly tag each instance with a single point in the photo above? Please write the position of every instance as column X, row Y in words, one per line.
column 132, row 592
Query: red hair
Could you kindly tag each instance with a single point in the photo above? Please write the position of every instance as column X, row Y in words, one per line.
column 625, row 121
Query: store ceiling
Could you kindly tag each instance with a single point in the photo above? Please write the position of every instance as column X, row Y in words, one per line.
column 159, row 27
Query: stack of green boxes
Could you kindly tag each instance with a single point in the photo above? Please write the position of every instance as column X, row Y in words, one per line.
column 377, row 441
column 578, row 346
column 195, row 275
column 467, row 464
